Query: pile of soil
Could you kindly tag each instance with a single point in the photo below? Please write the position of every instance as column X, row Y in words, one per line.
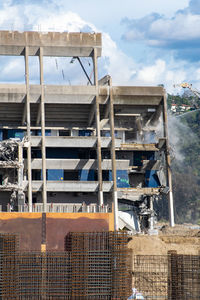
column 180, row 230
column 181, row 238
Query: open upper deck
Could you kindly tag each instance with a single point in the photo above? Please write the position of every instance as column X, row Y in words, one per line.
column 53, row 43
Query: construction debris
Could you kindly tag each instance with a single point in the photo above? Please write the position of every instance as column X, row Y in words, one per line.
column 9, row 150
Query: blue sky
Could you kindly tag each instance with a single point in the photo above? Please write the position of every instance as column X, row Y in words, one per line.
column 146, row 42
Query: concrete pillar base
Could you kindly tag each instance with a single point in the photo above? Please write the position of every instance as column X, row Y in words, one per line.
column 115, row 200
column 100, row 198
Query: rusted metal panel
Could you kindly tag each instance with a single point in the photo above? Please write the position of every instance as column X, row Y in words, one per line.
column 58, row 228
column 36, row 229
column 28, row 228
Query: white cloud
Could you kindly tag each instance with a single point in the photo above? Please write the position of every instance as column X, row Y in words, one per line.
column 197, row 75
column 157, row 30
column 152, row 74
column 181, row 28
column 114, row 61
column 117, row 64
column 178, row 33
column 168, row 73
column 123, row 69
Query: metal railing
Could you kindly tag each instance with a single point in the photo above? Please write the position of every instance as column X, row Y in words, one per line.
column 64, row 208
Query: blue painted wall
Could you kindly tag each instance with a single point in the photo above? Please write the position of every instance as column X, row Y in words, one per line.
column 151, row 179
column 55, row 175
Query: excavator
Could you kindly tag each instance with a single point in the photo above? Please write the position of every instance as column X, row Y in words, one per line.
column 193, row 90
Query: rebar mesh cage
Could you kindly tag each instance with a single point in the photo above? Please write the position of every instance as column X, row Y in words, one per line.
column 94, row 266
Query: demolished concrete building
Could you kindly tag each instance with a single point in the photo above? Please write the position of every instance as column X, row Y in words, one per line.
column 93, row 148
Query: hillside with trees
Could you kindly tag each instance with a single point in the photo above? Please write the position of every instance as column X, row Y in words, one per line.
column 186, row 171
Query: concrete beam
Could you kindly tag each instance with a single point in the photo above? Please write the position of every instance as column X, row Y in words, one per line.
column 12, row 93
column 38, row 119
column 168, row 165
column 70, row 186
column 155, row 117
column 42, row 117
column 113, row 154
column 77, row 164
column 105, row 118
column 54, row 43
column 149, row 91
column 138, row 147
column 127, row 193
column 98, row 129
column 104, row 80
column 28, row 120
column 73, row 142
column 80, row 94
column 24, row 114
column 91, row 115
column 136, row 100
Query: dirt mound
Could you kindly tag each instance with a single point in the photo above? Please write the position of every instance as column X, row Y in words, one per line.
column 158, row 245
column 147, row 245
column 181, row 238
column 180, row 230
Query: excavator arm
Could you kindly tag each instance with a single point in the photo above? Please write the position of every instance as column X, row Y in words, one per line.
column 193, row 90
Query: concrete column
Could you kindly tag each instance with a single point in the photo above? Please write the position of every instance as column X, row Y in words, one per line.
column 28, row 129
column 168, row 164
column 42, row 104
column 113, row 157
column 151, row 218
column 20, row 170
column 21, row 196
column 98, row 130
